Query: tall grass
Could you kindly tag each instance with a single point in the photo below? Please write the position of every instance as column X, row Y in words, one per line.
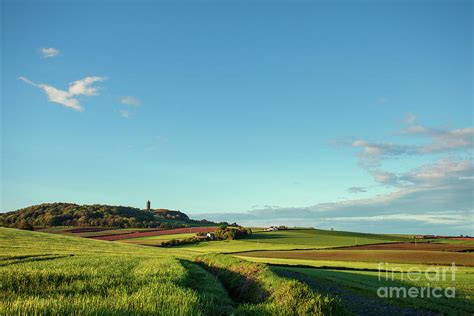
column 101, row 285
column 262, row 292
column 94, row 280
column 45, row 274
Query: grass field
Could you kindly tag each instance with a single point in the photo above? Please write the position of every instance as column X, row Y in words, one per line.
column 293, row 239
column 44, row 273
column 140, row 234
column 469, row 242
column 156, row 240
column 47, row 273
column 394, row 256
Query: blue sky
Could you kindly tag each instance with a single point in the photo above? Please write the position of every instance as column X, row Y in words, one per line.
column 355, row 115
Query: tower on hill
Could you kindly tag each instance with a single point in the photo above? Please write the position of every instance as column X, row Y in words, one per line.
column 148, row 205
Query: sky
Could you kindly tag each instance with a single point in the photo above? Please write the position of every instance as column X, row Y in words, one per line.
column 354, row 115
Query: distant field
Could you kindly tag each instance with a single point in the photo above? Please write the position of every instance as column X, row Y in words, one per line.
column 393, row 256
column 156, row 240
column 342, row 265
column 156, row 233
column 323, row 238
column 457, row 241
column 415, row 246
column 292, row 239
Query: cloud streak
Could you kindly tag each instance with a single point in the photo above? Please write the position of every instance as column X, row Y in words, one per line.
column 440, row 141
column 130, row 100
column 68, row 98
column 49, row 52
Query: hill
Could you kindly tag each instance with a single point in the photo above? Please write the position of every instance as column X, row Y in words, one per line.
column 96, row 215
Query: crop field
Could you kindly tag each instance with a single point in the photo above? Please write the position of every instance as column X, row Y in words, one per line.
column 156, row 240
column 358, row 290
column 292, row 239
column 149, row 233
column 47, row 273
column 415, row 247
column 53, row 274
column 456, row 241
column 323, row 238
column 394, row 256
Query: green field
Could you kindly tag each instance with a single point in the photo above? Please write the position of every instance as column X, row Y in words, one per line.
column 293, row 239
column 44, row 273
column 454, row 241
column 393, row 256
column 156, row 240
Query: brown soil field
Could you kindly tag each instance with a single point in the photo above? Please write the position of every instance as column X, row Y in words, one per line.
column 413, row 246
column 392, row 256
column 86, row 229
column 157, row 233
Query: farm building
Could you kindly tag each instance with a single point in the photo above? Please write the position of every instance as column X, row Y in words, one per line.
column 271, row 229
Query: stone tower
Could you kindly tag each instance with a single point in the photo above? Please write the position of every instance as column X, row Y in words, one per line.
column 148, row 205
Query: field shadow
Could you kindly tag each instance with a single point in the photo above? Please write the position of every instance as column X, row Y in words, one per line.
column 213, row 297
column 264, row 236
column 240, row 286
column 11, row 260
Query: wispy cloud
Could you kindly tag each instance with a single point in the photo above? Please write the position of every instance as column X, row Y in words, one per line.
column 69, row 98
column 130, row 100
column 356, row 190
column 124, row 114
column 439, row 141
column 49, row 52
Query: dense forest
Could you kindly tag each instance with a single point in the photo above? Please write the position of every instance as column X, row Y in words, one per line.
column 68, row 214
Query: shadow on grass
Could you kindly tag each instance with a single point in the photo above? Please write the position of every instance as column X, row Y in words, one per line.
column 239, row 285
column 213, row 298
column 7, row 261
column 264, row 236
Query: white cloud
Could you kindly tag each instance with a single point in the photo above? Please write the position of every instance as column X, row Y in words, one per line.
column 82, row 86
column 124, row 113
column 49, row 52
column 130, row 100
column 68, row 98
column 440, row 141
